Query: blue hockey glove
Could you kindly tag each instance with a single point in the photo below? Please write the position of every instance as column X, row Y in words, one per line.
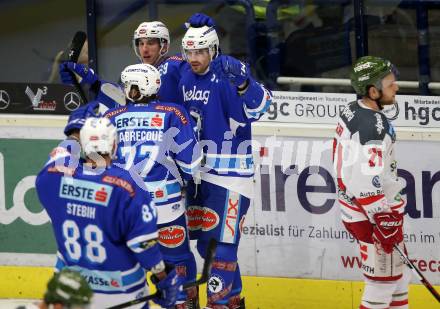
column 79, row 116
column 199, row 20
column 168, row 288
column 226, row 66
column 87, row 75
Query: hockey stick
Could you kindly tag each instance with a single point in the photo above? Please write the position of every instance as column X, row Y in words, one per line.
column 75, row 47
column 206, row 271
column 408, row 262
column 417, row 272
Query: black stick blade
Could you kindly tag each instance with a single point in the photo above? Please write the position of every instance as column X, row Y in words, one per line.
column 209, row 259
column 76, row 45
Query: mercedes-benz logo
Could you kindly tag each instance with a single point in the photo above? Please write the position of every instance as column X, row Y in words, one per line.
column 4, row 99
column 72, row 101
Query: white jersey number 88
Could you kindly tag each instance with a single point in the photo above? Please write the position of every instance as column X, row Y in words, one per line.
column 95, row 252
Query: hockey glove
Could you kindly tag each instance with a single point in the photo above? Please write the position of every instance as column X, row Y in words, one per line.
column 168, row 288
column 388, row 230
column 226, row 66
column 199, row 20
column 79, row 116
column 87, row 75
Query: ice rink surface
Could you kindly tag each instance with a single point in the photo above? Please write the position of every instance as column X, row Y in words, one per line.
column 14, row 303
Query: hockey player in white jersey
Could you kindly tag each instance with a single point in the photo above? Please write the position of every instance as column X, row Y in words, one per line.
column 157, row 141
column 224, row 100
column 368, row 187
column 104, row 223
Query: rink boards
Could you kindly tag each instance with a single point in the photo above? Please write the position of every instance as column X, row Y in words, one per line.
column 294, row 252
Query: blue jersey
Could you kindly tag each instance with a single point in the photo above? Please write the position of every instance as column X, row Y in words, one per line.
column 224, row 121
column 171, row 70
column 156, row 141
column 104, row 224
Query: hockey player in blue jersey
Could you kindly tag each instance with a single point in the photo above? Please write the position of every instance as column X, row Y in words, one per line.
column 157, row 141
column 151, row 43
column 224, row 99
column 104, row 223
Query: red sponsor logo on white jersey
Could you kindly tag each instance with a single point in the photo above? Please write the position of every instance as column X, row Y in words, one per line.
column 231, row 217
column 339, row 129
column 210, row 219
column 101, row 195
column 156, row 121
column 172, row 236
column 159, row 193
column 195, row 217
column 364, row 252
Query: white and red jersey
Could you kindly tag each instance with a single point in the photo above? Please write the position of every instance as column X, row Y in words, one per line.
column 365, row 167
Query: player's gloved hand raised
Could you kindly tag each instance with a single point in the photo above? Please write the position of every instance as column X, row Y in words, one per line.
column 388, row 230
column 199, row 20
column 226, row 66
column 79, row 116
column 168, row 288
column 87, row 75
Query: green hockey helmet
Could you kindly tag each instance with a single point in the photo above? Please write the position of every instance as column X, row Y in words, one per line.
column 369, row 71
column 69, row 288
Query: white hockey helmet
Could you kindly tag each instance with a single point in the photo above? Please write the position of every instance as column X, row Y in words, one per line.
column 153, row 29
column 200, row 38
column 145, row 76
column 98, row 135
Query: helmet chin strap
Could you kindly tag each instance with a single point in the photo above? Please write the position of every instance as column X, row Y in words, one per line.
column 162, row 53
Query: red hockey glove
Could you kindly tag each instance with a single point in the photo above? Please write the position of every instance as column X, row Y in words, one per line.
column 388, row 230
